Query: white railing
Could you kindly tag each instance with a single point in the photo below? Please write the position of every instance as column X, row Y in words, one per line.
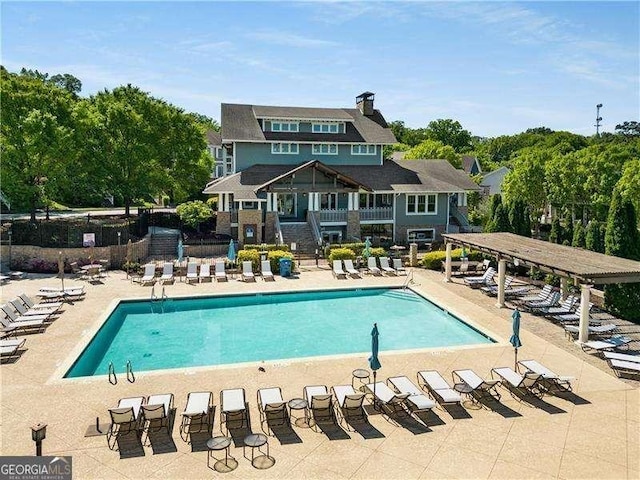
column 385, row 213
column 278, row 228
column 333, row 216
column 315, row 229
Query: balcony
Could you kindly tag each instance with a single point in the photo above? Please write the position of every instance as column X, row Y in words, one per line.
column 333, row 216
column 376, row 214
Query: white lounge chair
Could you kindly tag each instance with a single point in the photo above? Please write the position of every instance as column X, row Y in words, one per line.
column 550, row 379
column 484, row 279
column 539, row 297
column 397, row 264
column 11, row 327
column 233, row 409
column 192, row 272
column 349, row 404
column 372, row 267
column 417, row 401
column 156, row 413
column 25, row 311
column 529, row 383
column 493, row 289
column 221, row 274
column 348, row 266
column 621, row 356
column 386, row 268
column 437, row 387
column 149, row 274
column 198, row 415
column 572, row 317
column 551, row 301
column 565, row 308
column 265, row 270
column 17, row 318
column 596, row 330
column 247, row 272
column 616, row 341
column 272, row 408
column 392, row 401
column 9, row 348
column 479, row 387
column 337, row 270
column 167, row 273
column 205, row 272
column 622, row 367
column 33, row 305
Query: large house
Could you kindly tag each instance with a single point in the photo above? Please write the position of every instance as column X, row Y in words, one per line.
column 312, row 175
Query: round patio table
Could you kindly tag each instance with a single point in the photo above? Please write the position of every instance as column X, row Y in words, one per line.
column 217, row 444
column 257, row 440
column 299, row 404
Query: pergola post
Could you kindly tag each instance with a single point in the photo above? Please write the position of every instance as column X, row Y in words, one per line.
column 502, row 270
column 564, row 287
column 585, row 296
column 447, row 264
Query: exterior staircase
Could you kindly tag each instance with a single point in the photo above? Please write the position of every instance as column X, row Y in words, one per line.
column 163, row 246
column 301, row 234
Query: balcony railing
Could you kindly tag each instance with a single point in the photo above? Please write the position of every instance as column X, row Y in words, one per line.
column 376, row 214
column 333, row 216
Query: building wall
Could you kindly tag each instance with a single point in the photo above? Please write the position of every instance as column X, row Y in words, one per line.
column 250, row 217
column 248, row 154
column 404, row 220
column 223, row 223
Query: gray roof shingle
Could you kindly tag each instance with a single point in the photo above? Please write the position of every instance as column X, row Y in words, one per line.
column 214, row 138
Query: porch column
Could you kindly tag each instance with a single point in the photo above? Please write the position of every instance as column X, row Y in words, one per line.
column 502, row 270
column 274, row 206
column 447, row 264
column 221, row 202
column 349, row 201
column 564, row 287
column 269, row 202
column 227, row 207
column 585, row 296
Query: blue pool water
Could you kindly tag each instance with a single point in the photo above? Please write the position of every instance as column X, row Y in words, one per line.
column 245, row 328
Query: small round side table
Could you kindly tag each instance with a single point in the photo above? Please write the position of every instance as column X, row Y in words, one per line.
column 299, row 404
column 359, row 375
column 217, row 444
column 258, row 440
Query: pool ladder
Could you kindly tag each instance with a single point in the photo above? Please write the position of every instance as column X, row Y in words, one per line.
column 113, row 379
column 161, row 299
column 408, row 280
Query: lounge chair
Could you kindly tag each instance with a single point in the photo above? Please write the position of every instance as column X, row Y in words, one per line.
column 372, row 267
column 349, row 404
column 221, row 275
column 167, row 273
column 571, row 317
column 493, row 289
column 272, row 408
column 529, row 383
column 233, row 409
column 616, row 341
column 417, row 401
column 149, row 274
column 622, row 367
column 8, row 348
column 385, row 397
column 72, row 291
column 551, row 301
column 265, row 270
column 33, row 305
column 438, row 388
column 337, row 270
column 621, row 356
column 399, row 268
column 192, row 272
column 247, row 272
column 13, row 327
column 596, row 330
column 124, row 419
column 26, row 312
column 351, row 270
column 52, row 293
column 539, row 297
column 550, row 380
column 566, row 307
column 386, row 268
column 205, row 273
column 198, row 415
column 479, row 387
column 484, row 279
column 320, row 403
column 156, row 413
column 16, row 318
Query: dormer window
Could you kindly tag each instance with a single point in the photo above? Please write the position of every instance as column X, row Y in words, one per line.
column 326, row 127
column 285, row 126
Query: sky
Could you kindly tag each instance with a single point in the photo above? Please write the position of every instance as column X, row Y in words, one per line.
column 496, row 67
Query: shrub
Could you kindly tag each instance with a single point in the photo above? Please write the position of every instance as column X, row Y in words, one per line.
column 377, row 252
column 193, row 213
column 341, row 254
column 356, row 247
column 267, row 247
column 433, row 260
column 249, row 255
column 274, row 257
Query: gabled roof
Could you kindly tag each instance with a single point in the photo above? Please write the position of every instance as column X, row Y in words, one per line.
column 214, row 138
column 468, row 161
column 240, row 123
column 498, row 171
column 320, row 166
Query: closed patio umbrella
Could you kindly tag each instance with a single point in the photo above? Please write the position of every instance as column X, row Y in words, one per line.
column 180, row 250
column 61, row 269
column 128, row 256
column 231, row 253
column 374, row 362
column 366, row 253
column 515, row 338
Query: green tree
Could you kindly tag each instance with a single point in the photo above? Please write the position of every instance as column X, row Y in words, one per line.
column 622, row 239
column 519, row 218
column 194, row 213
column 557, row 234
column 205, row 121
column 629, row 183
column 67, row 82
column 628, row 129
column 501, row 220
column 567, row 233
column 579, row 239
column 449, row 132
column 594, row 240
column 434, row 150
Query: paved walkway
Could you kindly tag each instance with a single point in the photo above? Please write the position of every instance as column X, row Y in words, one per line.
column 592, row 434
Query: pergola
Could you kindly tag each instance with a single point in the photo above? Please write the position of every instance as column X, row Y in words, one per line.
column 585, row 267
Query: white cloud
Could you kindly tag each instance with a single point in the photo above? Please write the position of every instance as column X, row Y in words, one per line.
column 290, row 39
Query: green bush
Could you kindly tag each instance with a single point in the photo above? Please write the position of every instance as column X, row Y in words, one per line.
column 377, row 252
column 274, row 257
column 356, row 247
column 194, row 213
column 267, row 247
column 249, row 255
column 341, row 254
column 433, row 260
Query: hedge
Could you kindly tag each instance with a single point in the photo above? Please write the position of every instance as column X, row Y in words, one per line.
column 433, row 260
column 341, row 254
column 355, row 247
column 274, row 256
column 267, row 247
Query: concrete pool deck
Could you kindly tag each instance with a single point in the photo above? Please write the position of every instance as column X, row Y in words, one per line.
column 594, row 434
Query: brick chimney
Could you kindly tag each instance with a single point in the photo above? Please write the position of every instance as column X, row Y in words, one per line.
column 364, row 102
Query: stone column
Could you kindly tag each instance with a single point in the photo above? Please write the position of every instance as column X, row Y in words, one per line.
column 223, row 223
column 447, row 264
column 502, row 270
column 270, row 227
column 413, row 255
column 353, row 225
column 585, row 296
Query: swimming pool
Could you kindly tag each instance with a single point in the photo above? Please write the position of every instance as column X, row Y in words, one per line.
column 222, row 330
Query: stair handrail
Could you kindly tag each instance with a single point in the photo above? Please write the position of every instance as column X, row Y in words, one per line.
column 113, row 380
column 131, row 378
column 279, row 237
column 408, row 280
column 153, row 294
column 315, row 229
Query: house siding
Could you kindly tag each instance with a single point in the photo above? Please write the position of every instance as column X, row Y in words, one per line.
column 403, row 220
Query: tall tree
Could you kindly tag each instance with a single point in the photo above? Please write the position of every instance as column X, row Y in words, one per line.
column 432, row 150
column 579, row 239
column 594, row 240
column 557, row 233
column 450, row 132
column 67, row 82
column 628, row 129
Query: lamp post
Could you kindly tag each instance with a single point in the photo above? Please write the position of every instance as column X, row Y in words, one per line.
column 38, row 434
column 119, row 235
column 10, row 233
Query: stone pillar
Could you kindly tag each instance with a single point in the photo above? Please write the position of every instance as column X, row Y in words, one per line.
column 270, row 227
column 223, row 223
column 353, row 225
column 564, row 287
column 248, row 217
column 585, row 296
column 413, row 255
column 502, row 270
column 447, row 264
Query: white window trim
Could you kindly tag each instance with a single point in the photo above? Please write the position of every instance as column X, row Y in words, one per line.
column 358, row 147
column 411, row 230
column 426, row 203
column 285, row 153
column 281, row 122
column 319, row 146
column 319, row 125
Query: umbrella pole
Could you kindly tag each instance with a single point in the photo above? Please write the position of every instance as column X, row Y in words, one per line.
column 375, row 403
column 515, row 362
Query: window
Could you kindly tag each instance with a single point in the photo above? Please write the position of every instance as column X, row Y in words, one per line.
column 423, row 237
column 325, row 149
column 284, row 148
column 287, row 204
column 281, row 126
column 363, row 149
column 376, row 200
column 329, row 127
column 421, row 204
column 328, row 201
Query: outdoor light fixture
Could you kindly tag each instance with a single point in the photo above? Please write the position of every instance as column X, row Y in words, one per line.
column 38, row 434
column 119, row 235
column 516, row 262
